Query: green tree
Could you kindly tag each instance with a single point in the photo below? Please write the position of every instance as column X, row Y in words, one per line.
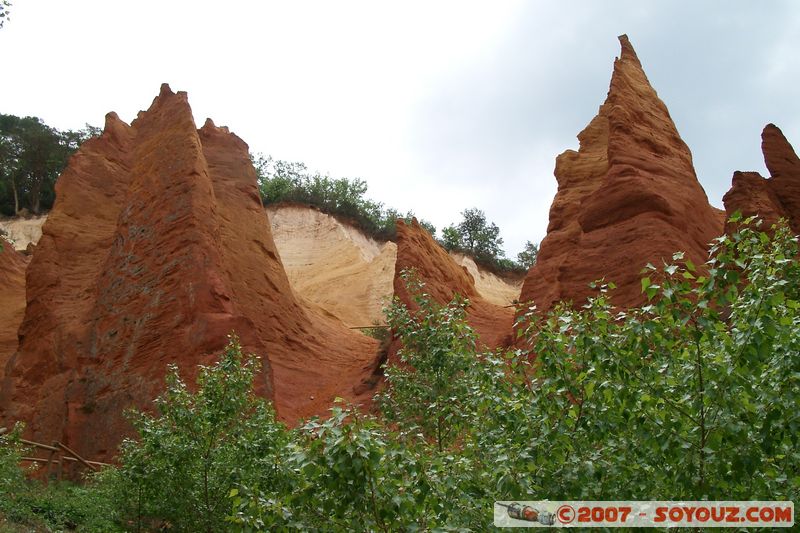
column 430, row 389
column 32, row 156
column 527, row 257
column 199, row 445
column 475, row 236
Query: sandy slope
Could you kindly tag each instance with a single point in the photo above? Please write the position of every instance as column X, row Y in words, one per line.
column 22, row 231
column 494, row 289
column 349, row 275
column 334, row 266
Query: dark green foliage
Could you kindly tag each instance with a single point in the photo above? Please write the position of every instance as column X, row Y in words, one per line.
column 475, row 236
column 32, row 155
column 283, row 181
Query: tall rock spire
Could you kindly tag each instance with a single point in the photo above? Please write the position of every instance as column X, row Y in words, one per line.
column 627, row 197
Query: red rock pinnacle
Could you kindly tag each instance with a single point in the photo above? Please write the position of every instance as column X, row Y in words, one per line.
column 627, row 197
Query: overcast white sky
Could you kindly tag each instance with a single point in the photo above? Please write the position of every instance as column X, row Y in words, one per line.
column 438, row 105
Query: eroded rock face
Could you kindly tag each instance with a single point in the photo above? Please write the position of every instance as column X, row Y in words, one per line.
column 156, row 249
column 12, row 298
column 627, row 197
column 444, row 278
column 773, row 198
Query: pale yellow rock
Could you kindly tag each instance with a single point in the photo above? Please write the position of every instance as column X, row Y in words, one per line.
column 333, row 265
column 494, row 289
column 23, row 231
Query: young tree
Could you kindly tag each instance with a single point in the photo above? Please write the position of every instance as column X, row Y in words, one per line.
column 527, row 257
column 475, row 236
column 200, row 445
column 430, row 390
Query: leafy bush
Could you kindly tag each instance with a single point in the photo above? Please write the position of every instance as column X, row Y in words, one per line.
column 691, row 396
column 429, row 390
column 57, row 506
column 12, row 477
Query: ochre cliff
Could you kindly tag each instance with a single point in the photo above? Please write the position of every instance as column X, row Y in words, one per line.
column 332, row 266
column 157, row 247
column 444, row 278
column 773, row 198
column 12, row 298
column 629, row 196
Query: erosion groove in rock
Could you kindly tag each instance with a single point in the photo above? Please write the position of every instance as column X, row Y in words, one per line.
column 12, row 298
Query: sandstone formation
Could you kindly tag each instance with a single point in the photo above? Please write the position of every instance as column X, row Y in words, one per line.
column 12, row 298
column 444, row 278
column 156, row 249
column 332, row 266
column 627, row 197
column 773, row 198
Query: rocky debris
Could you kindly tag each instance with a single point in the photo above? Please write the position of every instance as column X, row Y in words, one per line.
column 769, row 198
column 444, row 278
column 156, row 249
column 629, row 196
column 12, row 298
